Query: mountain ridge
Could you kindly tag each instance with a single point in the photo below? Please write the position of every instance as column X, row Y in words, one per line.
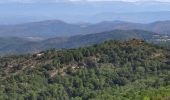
column 58, row 28
column 76, row 41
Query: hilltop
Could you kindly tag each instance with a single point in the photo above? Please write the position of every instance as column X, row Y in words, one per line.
column 58, row 28
column 25, row 45
column 133, row 69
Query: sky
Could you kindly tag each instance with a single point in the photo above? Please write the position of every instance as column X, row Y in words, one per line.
column 33, row 1
column 21, row 11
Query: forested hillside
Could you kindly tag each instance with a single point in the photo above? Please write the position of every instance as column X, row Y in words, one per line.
column 113, row 70
column 19, row 46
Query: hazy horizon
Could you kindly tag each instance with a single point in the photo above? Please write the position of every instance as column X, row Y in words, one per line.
column 75, row 11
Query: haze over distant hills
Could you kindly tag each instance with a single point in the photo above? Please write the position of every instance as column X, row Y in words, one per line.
column 16, row 45
column 82, row 11
column 138, row 17
column 27, row 22
column 57, row 28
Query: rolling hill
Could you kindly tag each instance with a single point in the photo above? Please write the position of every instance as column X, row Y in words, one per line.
column 57, row 28
column 112, row 70
column 42, row 29
column 73, row 41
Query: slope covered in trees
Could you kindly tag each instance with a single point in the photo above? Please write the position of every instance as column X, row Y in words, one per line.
column 113, row 70
column 19, row 46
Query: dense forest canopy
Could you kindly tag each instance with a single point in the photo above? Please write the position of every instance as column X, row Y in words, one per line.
column 113, row 70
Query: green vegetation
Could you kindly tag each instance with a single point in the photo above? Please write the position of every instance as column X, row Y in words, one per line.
column 129, row 70
column 23, row 46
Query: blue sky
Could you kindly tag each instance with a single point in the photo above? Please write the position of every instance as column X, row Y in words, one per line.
column 33, row 1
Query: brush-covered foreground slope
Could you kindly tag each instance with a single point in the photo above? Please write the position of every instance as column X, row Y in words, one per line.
column 129, row 70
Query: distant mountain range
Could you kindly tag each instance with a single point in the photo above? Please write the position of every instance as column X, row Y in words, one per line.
column 57, row 28
column 19, row 11
column 138, row 17
column 24, row 45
